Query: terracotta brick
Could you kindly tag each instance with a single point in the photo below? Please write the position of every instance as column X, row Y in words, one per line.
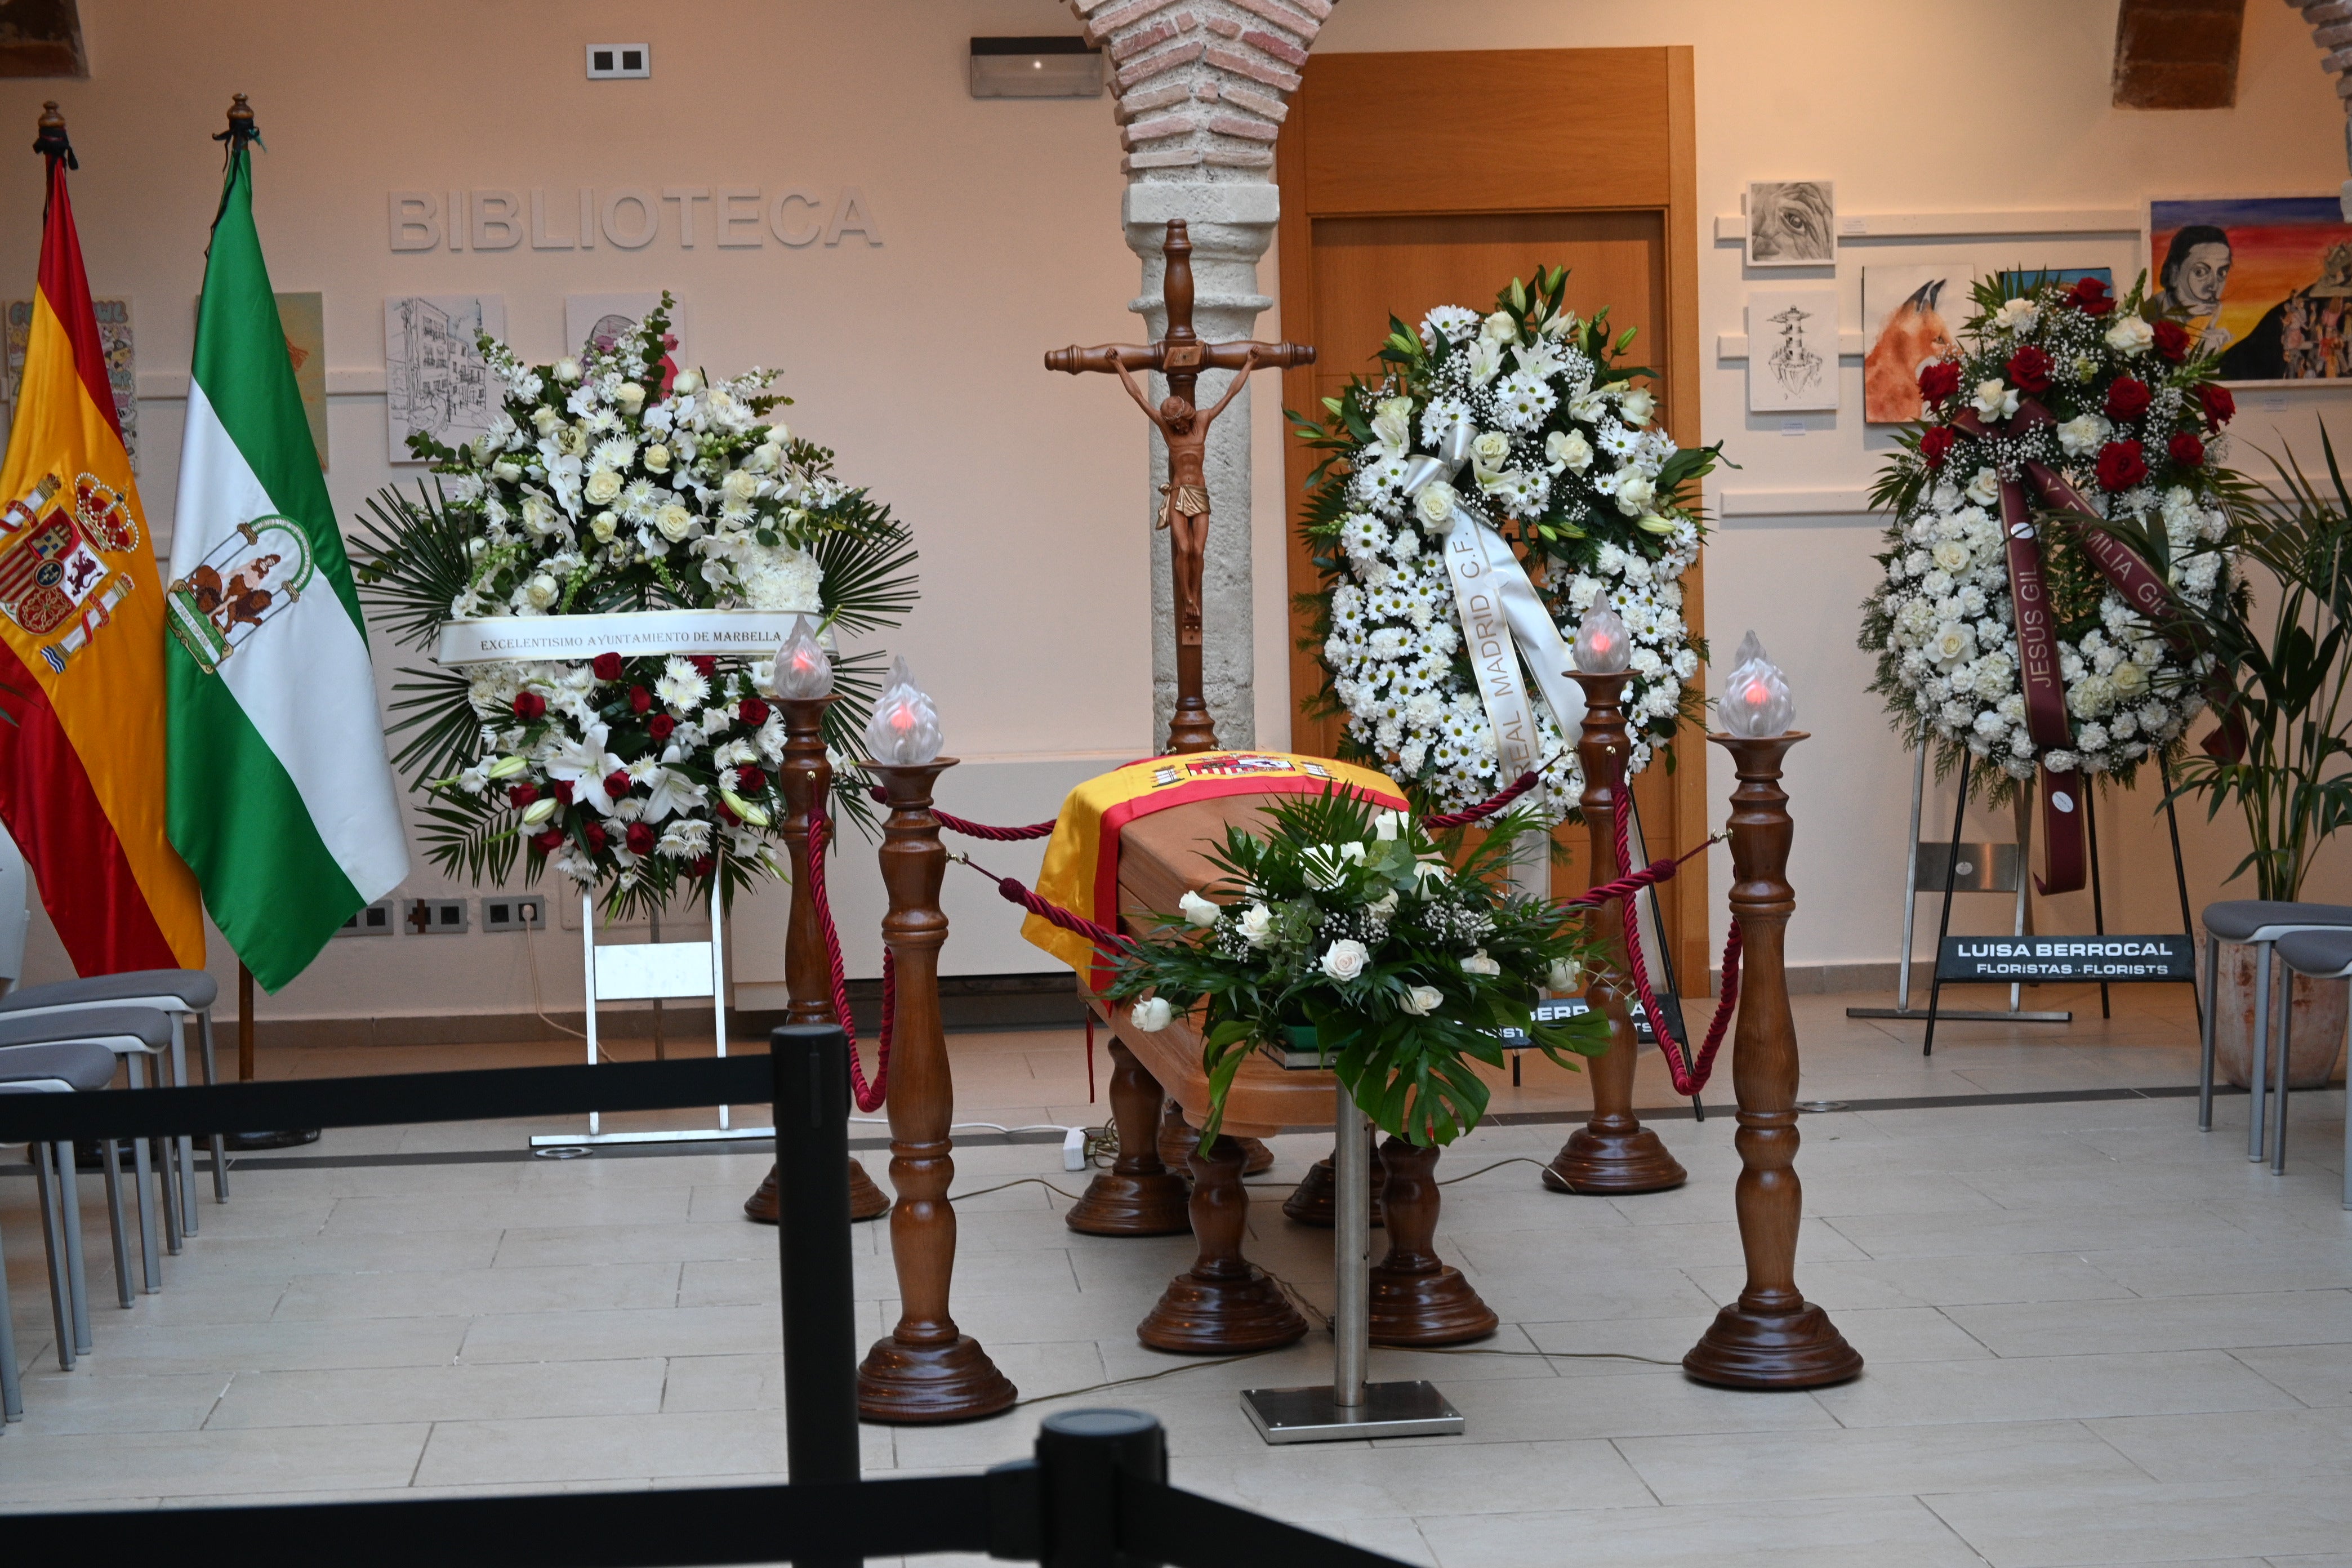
column 1135, row 105
column 1151, row 66
column 1172, row 158
column 1244, row 126
column 1282, row 16
column 1280, row 47
column 1104, row 24
column 1158, row 129
column 1224, row 27
column 1318, row 9
column 1274, row 108
column 1135, row 43
column 1240, row 157
column 1207, row 90
column 1244, row 64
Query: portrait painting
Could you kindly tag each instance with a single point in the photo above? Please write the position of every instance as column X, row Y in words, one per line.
column 2264, row 281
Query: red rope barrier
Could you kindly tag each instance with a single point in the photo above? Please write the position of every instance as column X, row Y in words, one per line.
column 977, row 829
column 868, row 1098
column 1690, row 1077
column 1485, row 808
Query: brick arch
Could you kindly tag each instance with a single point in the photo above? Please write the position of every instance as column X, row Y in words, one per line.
column 2331, row 29
column 1203, row 85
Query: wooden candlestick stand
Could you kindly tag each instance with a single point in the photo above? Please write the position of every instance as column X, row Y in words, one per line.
column 1612, row 1153
column 1771, row 1337
column 806, row 777
column 1138, row 1195
column 925, row 1369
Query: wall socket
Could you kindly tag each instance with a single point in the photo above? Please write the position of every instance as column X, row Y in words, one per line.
column 514, row 911
column 374, row 920
column 614, row 62
column 437, row 916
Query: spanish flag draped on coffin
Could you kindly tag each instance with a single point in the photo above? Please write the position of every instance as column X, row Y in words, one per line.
column 81, row 643
column 1081, row 869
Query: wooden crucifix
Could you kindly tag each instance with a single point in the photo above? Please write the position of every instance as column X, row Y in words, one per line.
column 1181, row 357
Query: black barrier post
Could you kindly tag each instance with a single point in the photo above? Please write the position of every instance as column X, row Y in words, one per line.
column 811, row 1062
column 1081, row 1454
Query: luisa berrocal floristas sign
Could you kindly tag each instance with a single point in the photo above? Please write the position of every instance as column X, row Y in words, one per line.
column 2105, row 959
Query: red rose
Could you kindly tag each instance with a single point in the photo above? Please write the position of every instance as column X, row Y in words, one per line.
column 1939, row 381
column 639, row 699
column 2091, row 296
column 705, row 664
column 2028, row 370
column 1937, row 444
column 704, row 865
column 617, row 782
column 529, row 705
column 2122, row 465
column 751, row 781
column 522, row 794
column 2127, row 399
column 641, row 838
column 593, row 834
column 752, row 711
column 2187, row 450
column 2173, row 340
column 548, row 842
column 561, row 790
column 607, row 665
column 660, row 725
column 2218, row 406
column 725, row 812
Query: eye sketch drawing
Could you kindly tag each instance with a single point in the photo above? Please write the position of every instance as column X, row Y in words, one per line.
column 1791, row 223
column 1792, row 350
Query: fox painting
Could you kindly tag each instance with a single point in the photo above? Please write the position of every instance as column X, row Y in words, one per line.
column 1914, row 334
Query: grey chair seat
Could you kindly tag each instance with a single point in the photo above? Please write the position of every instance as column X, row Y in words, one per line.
column 151, row 1029
column 196, row 990
column 2317, row 952
column 79, row 1066
column 2239, row 920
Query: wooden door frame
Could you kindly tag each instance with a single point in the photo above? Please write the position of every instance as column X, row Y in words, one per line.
column 1651, row 90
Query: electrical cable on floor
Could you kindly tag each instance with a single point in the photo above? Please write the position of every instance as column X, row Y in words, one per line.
column 1144, row 1377
column 538, row 1003
column 1016, row 1182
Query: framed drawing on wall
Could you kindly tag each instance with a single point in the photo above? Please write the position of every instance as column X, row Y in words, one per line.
column 2266, row 281
column 1792, row 350
column 1791, row 223
column 434, row 378
column 1911, row 316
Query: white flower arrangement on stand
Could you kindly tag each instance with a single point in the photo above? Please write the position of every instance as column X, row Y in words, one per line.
column 1524, row 422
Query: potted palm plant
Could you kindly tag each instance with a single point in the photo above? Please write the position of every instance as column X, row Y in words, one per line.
column 2283, row 754
column 1341, row 927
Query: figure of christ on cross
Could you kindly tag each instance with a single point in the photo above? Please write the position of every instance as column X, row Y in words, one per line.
column 1181, row 357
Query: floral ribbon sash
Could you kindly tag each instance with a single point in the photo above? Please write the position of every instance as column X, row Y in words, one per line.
column 1503, row 620
column 2037, row 637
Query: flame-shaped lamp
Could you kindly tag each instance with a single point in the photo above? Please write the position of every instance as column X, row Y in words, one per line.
column 1755, row 704
column 803, row 672
column 905, row 729
column 1603, row 645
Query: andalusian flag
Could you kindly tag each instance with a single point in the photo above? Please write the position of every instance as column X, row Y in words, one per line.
column 281, row 797
column 81, row 643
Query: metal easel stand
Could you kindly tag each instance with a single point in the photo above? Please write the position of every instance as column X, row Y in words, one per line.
column 1903, row 1009
column 1351, row 1409
column 654, row 971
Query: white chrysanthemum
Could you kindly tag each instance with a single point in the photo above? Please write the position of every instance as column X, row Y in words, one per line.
column 1522, row 400
column 779, row 578
column 1455, row 323
column 681, row 687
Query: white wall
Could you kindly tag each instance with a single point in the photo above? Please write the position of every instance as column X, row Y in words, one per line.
column 919, row 360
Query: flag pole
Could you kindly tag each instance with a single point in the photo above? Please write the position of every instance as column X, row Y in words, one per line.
column 243, row 1022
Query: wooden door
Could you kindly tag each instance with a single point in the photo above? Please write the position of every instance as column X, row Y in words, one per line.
column 1413, row 180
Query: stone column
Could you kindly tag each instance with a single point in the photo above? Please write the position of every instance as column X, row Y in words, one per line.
column 1230, row 226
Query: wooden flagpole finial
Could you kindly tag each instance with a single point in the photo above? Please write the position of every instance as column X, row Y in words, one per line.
column 50, row 140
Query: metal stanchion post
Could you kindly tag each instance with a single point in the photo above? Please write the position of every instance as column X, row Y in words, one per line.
column 812, row 1098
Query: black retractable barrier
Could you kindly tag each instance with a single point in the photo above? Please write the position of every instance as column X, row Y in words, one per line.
column 1096, row 1495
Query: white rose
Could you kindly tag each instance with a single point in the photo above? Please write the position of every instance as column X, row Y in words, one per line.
column 2082, row 434
column 1499, row 328
column 1985, row 489
column 630, row 396
column 1198, row 910
column 1952, row 555
column 1569, row 449
column 567, row 369
column 510, row 472
column 1637, row 405
column 657, row 458
column 603, row 526
column 1564, row 975
column 1384, row 907
column 740, row 485
column 1345, row 959
column 1479, row 964
column 2130, row 679
column 1492, row 450
column 1423, row 1000
column 1386, row 825
column 546, row 419
column 1995, row 401
column 1435, row 503
column 541, row 591
column 2131, row 336
column 539, row 514
column 687, row 385
column 673, row 520
column 1151, row 1014
column 1634, row 493
column 1432, row 871
column 1951, row 644
column 1255, row 924
column 603, row 489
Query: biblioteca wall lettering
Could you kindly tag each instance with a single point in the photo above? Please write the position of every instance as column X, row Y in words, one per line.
column 627, row 217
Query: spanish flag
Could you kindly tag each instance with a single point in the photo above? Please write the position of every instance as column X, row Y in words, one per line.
column 82, row 778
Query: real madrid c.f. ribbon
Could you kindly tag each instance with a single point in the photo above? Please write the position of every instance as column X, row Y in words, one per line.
column 1503, row 619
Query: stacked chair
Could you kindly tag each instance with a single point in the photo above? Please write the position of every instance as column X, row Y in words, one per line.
column 2315, row 940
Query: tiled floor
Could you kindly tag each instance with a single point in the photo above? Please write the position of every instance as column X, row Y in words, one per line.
column 2093, row 1336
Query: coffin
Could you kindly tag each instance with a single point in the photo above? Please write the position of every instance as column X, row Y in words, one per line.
column 1161, row 857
